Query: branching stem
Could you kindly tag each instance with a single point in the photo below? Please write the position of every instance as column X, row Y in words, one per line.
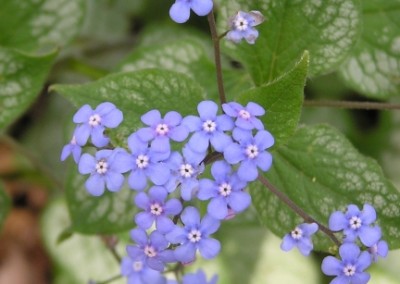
column 307, row 218
column 217, row 56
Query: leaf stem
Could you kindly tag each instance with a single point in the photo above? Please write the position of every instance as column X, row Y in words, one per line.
column 352, row 105
column 217, row 56
column 111, row 242
column 307, row 218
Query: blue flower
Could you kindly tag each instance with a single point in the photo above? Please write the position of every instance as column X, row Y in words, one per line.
column 146, row 164
column 156, row 209
column 71, row 148
column 160, row 130
column 152, row 250
column 245, row 116
column 92, row 123
column 180, row 10
column 350, row 269
column 208, row 128
column 242, row 26
column 301, row 238
column 184, row 172
column 138, row 273
column 380, row 249
column 356, row 223
column 225, row 192
column 195, row 235
column 105, row 170
column 250, row 153
column 199, row 277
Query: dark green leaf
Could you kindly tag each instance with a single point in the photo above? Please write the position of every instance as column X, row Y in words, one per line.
column 328, row 29
column 135, row 93
column 322, row 173
column 283, row 100
column 373, row 67
column 21, row 79
column 33, row 25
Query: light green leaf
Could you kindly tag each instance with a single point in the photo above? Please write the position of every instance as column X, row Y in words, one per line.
column 187, row 56
column 374, row 65
column 33, row 25
column 109, row 213
column 136, row 93
column 21, row 79
column 283, row 101
column 322, row 172
column 328, row 29
column 78, row 258
column 5, row 204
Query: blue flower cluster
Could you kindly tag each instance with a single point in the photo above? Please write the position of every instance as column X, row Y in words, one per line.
column 358, row 230
column 235, row 146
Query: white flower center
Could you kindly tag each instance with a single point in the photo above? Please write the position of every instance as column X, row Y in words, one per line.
column 156, row 209
column 101, row 167
column 355, row 222
column 162, row 129
column 349, row 270
column 252, row 151
column 244, row 114
column 94, row 120
column 142, row 161
column 186, row 170
column 194, row 236
column 209, row 126
column 225, row 189
column 241, row 23
column 150, row 251
column 297, row 233
column 73, row 140
column 137, row 266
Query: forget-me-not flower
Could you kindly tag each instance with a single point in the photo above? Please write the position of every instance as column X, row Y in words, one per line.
column 251, row 153
column 195, row 235
column 350, row 269
column 161, row 130
column 92, row 123
column 301, row 238
column 242, row 26
column 105, row 169
column 138, row 273
column 225, row 191
column 72, row 149
column 150, row 250
column 246, row 117
column 208, row 128
column 380, row 249
column 156, row 209
column 180, row 10
column 356, row 223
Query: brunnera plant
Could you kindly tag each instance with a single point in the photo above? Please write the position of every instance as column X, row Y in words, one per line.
column 190, row 132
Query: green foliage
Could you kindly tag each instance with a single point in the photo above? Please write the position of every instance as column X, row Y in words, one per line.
column 135, row 93
column 283, row 101
column 5, row 204
column 34, row 25
column 322, row 173
column 373, row 66
column 21, row 79
column 328, row 29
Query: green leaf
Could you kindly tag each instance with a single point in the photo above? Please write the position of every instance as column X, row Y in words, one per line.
column 322, row 172
column 5, row 204
column 373, row 67
column 283, row 100
column 33, row 25
column 135, row 93
column 109, row 213
column 328, row 29
column 21, row 79
column 188, row 56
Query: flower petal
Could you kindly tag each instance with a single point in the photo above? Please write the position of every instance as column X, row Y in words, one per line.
column 209, row 248
column 95, row 185
column 202, row 7
column 180, row 12
column 190, row 216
